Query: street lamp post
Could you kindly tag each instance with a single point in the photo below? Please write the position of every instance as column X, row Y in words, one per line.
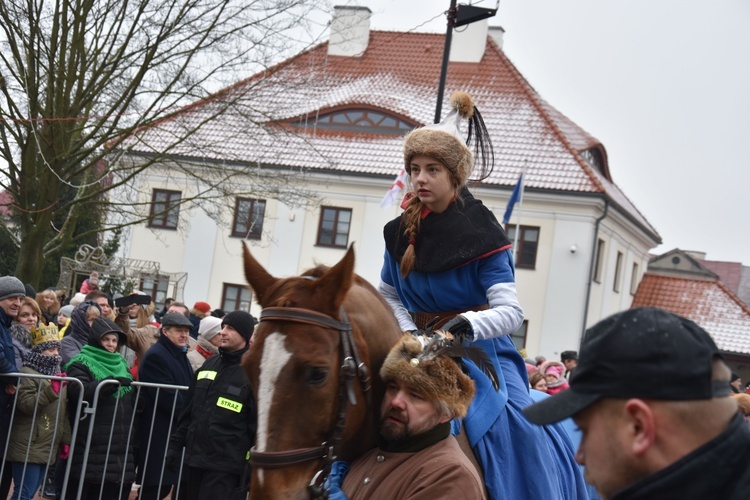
column 457, row 16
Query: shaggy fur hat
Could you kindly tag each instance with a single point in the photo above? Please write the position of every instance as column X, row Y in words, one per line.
column 438, row 378
column 443, row 141
column 743, row 401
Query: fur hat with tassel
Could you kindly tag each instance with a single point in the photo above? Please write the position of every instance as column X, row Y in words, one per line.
column 444, row 141
column 422, row 363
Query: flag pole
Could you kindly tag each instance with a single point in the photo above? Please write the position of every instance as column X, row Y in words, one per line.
column 518, row 218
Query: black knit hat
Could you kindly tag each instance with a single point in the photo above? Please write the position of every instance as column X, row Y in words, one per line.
column 241, row 321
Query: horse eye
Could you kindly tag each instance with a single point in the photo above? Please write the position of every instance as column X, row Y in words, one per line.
column 316, row 375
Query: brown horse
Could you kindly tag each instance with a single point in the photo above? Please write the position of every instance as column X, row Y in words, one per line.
column 321, row 338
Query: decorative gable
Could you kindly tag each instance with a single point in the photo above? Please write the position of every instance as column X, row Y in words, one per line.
column 679, row 263
column 356, row 119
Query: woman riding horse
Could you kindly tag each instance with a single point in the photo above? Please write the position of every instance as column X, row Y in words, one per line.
column 449, row 262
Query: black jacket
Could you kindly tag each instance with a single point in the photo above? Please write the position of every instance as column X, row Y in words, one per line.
column 718, row 469
column 121, row 452
column 163, row 363
column 217, row 426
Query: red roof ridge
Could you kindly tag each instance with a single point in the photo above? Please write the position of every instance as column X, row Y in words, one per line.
column 731, row 294
column 536, row 101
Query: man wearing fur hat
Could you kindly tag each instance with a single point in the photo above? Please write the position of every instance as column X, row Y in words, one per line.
column 217, row 427
column 416, row 455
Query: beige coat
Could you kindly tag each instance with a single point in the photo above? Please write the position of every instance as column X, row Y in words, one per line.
column 438, row 471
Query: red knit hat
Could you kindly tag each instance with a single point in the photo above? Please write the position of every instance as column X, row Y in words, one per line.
column 202, row 307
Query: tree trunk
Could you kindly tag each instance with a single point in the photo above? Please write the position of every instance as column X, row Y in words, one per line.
column 31, row 259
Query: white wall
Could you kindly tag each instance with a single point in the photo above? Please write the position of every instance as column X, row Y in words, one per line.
column 552, row 295
column 198, row 256
column 562, row 317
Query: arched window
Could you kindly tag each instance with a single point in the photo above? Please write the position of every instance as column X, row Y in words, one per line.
column 357, row 120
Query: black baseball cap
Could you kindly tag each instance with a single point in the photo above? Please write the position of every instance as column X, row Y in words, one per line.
column 644, row 353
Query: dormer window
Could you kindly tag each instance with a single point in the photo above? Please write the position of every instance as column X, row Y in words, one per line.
column 357, row 120
column 593, row 157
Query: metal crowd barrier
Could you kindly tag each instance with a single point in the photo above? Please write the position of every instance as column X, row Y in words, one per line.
column 85, row 414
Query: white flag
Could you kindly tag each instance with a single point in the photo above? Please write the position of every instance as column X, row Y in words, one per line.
column 392, row 196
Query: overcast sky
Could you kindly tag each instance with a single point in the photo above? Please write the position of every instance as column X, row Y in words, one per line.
column 664, row 85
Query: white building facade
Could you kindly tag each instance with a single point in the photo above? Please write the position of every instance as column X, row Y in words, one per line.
column 582, row 247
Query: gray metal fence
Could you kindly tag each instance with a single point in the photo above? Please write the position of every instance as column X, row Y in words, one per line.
column 84, row 417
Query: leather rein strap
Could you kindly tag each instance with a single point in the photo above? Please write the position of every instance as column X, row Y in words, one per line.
column 351, row 369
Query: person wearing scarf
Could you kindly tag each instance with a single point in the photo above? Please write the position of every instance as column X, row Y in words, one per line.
column 448, row 266
column 40, row 424
column 99, row 361
column 553, row 374
column 27, row 319
column 79, row 329
column 208, row 342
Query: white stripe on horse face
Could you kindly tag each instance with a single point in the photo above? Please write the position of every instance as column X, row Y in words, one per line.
column 274, row 358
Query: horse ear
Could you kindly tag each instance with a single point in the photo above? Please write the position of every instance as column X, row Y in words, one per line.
column 337, row 281
column 256, row 276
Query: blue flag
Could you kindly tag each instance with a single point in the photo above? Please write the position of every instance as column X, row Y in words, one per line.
column 513, row 199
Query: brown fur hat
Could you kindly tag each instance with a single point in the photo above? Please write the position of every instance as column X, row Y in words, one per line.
column 443, row 140
column 743, row 401
column 437, row 378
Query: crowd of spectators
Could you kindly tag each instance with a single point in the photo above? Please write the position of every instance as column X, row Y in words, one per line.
column 107, row 344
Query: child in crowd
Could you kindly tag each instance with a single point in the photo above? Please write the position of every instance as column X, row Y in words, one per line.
column 40, row 424
column 553, row 374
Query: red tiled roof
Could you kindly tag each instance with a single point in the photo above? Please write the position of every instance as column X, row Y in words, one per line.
column 707, row 302
column 399, row 72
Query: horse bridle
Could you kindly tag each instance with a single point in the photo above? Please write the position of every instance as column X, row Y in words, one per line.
column 351, row 368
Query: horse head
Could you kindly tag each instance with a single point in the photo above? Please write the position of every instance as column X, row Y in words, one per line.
column 320, row 337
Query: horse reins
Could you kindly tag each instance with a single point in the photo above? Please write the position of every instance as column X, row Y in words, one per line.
column 351, row 368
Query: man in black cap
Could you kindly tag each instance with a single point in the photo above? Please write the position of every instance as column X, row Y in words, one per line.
column 570, row 360
column 165, row 362
column 651, row 397
column 217, row 426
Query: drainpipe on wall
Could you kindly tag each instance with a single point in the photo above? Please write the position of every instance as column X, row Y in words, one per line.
column 591, row 267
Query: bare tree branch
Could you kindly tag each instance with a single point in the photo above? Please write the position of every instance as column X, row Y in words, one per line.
column 80, row 80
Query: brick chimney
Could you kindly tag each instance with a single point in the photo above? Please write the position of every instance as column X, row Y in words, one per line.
column 350, row 31
column 469, row 42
